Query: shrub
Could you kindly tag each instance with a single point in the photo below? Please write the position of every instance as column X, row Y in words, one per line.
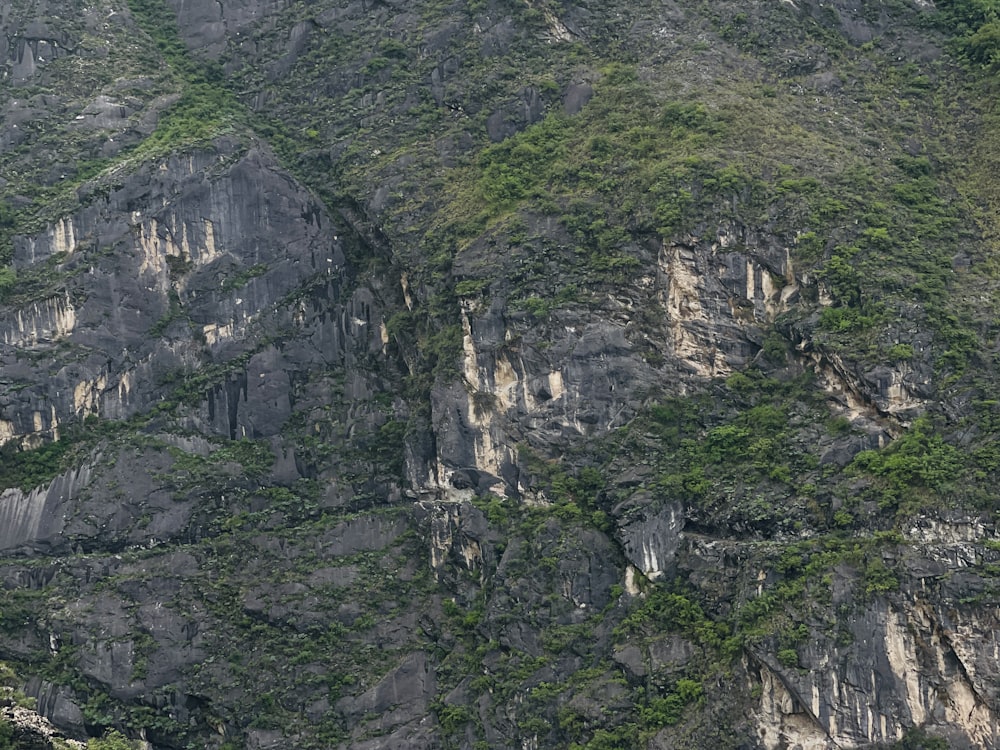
column 918, row 739
column 918, row 458
column 7, row 279
column 453, row 718
column 692, row 116
column 842, row 280
column 727, row 442
column 878, row 579
column 984, row 45
column 112, row 740
column 900, row 352
column 30, row 468
column 669, row 710
column 788, row 657
column 844, row 320
column 470, row 287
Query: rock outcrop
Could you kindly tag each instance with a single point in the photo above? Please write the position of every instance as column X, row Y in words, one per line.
column 386, row 375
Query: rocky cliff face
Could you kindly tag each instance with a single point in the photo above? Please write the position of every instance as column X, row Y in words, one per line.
column 498, row 375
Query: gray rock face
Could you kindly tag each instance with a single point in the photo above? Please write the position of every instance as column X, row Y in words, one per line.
column 58, row 703
column 206, row 27
column 402, row 696
column 33, row 45
column 513, row 118
column 325, row 496
column 39, row 517
column 651, row 537
column 200, row 251
column 905, row 651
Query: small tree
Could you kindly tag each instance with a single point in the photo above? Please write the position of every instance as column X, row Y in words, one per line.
column 6, row 735
column 112, row 740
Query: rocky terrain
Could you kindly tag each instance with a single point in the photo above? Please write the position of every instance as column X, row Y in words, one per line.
column 503, row 374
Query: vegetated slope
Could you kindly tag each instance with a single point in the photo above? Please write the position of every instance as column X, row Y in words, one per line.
column 500, row 374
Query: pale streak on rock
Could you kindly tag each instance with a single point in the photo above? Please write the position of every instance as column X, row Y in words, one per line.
column 87, row 394
column 781, row 722
column 63, row 236
column 43, row 321
column 215, row 333
column 632, row 581
column 28, row 517
column 683, row 304
column 902, row 655
column 470, row 364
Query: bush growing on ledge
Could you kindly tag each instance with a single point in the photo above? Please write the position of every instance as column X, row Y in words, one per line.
column 918, row 739
column 918, row 459
column 788, row 657
column 112, row 740
column 31, row 468
column 7, row 279
column 667, row 711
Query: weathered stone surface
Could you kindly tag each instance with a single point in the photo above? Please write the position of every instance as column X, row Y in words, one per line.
column 423, row 512
column 207, row 27
column 203, row 250
column 651, row 536
column 400, row 697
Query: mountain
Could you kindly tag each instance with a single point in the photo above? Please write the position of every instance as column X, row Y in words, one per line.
column 499, row 374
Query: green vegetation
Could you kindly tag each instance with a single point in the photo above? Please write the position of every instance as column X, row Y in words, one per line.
column 736, row 454
column 835, row 166
column 917, row 464
column 253, row 457
column 242, row 278
column 157, row 19
column 202, row 112
column 56, row 163
column 919, row 739
column 112, row 740
column 804, row 589
column 627, row 165
column 666, row 611
column 205, row 107
column 30, row 468
column 976, row 25
column 667, row 711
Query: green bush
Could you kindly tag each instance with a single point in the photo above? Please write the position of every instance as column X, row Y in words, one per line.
column 112, row 740
column 690, row 485
column 878, row 579
column 453, row 718
column 918, row 739
column 619, row 738
column 8, row 278
column 983, row 46
column 844, row 320
column 675, row 419
column 30, row 468
column 689, row 116
column 199, row 115
column 669, row 710
column 900, row 352
column 920, row 458
column 788, row 657
column 470, row 287
column 728, row 442
column 775, row 348
column 842, row 279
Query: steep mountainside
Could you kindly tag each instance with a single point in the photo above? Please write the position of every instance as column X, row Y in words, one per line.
column 500, row 374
